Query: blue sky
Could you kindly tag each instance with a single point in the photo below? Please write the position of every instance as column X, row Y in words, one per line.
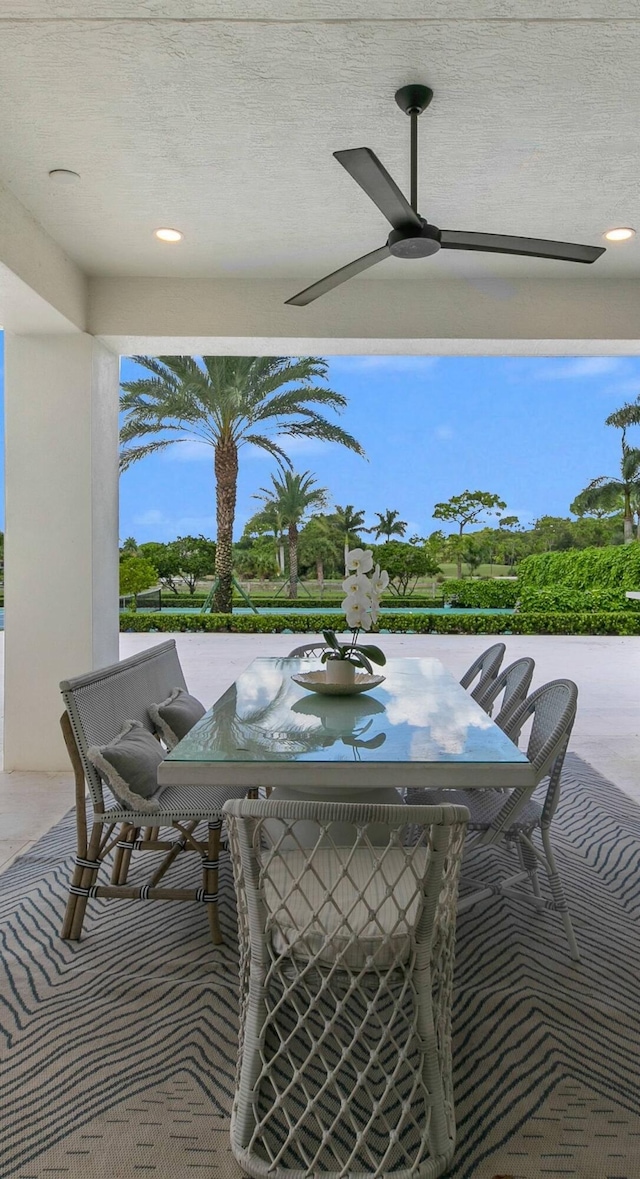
column 530, row 429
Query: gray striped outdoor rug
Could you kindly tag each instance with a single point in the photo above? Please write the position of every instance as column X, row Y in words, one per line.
column 118, row 1052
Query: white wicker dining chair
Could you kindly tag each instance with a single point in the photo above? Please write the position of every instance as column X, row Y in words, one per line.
column 484, row 669
column 347, row 952
column 514, row 820
column 96, row 707
column 508, row 691
column 308, row 651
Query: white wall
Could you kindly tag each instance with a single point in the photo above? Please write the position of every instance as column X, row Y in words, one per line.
column 61, row 554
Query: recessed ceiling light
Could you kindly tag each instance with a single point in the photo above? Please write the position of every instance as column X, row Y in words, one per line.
column 169, row 235
column 620, row 235
column 63, row 176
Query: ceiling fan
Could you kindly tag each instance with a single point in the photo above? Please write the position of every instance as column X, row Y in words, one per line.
column 411, row 235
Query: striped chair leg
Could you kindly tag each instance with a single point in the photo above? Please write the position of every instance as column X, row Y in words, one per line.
column 210, row 881
column 125, row 830
column 132, row 835
column 88, row 873
column 557, row 892
column 530, row 865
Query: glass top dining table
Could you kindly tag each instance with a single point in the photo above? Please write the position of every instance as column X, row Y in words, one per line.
column 419, row 728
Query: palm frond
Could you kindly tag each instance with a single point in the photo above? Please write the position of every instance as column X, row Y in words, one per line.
column 269, row 445
column 298, row 401
column 318, row 427
column 133, row 454
column 627, row 415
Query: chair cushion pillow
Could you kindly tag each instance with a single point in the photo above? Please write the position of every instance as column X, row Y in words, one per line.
column 175, row 716
column 129, row 766
column 345, row 907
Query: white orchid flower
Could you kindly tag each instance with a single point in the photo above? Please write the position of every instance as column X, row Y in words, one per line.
column 357, row 608
column 379, row 580
column 356, row 583
column 360, row 560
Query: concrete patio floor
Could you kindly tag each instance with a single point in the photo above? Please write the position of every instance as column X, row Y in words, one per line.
column 606, row 734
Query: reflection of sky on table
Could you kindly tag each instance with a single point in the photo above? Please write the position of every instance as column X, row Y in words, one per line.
column 419, row 714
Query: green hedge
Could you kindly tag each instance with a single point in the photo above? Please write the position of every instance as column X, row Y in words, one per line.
column 614, row 567
column 564, row 599
column 486, row 595
column 327, row 602
column 532, row 623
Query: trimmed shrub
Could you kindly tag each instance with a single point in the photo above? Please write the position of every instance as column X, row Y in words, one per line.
column 614, row 567
column 485, row 595
column 562, row 598
column 622, row 622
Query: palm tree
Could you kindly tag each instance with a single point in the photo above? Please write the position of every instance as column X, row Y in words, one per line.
column 389, row 524
column 269, row 520
column 350, row 522
column 606, row 491
column 227, row 402
column 318, row 543
column 292, row 496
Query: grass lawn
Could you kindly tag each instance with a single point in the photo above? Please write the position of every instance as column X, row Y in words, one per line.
column 426, row 585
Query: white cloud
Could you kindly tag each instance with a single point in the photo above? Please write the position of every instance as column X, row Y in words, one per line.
column 164, row 527
column 151, row 518
column 443, row 432
column 582, row 366
column 291, row 446
column 190, row 451
column 391, row 364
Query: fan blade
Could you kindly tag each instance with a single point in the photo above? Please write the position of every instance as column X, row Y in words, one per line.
column 338, row 277
column 535, row 247
column 368, row 172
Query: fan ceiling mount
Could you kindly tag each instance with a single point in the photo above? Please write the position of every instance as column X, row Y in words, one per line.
column 411, row 235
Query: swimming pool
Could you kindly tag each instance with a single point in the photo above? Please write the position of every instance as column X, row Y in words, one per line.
column 295, row 609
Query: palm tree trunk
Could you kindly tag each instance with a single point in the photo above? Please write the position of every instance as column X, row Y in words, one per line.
column 346, row 554
column 459, row 558
column 293, row 561
column 628, row 518
column 320, row 571
column 281, row 556
column 226, row 470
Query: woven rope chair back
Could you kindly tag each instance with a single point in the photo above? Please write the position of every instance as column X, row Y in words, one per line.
column 100, row 702
column 347, row 928
column 512, row 686
column 552, row 711
column 484, row 669
column 307, row 651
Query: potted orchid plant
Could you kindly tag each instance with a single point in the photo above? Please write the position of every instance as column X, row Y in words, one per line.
column 364, row 586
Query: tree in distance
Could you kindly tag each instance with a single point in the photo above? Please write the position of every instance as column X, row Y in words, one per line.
column 188, row 559
column 389, row 524
column 405, row 564
column 465, row 509
column 319, row 544
column 165, row 559
column 227, row 402
column 350, row 522
column 293, row 495
column 136, row 574
column 605, row 492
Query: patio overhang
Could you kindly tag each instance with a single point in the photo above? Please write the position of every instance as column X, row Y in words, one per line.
column 179, row 117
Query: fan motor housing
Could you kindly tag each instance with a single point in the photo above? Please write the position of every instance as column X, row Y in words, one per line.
column 413, row 243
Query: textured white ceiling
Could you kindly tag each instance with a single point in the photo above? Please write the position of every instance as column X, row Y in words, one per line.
column 225, row 128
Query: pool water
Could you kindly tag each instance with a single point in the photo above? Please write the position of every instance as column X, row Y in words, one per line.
column 279, row 610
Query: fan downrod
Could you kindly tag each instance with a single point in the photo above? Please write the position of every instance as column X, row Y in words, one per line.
column 414, row 99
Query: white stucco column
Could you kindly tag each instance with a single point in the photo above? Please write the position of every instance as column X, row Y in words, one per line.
column 61, row 549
